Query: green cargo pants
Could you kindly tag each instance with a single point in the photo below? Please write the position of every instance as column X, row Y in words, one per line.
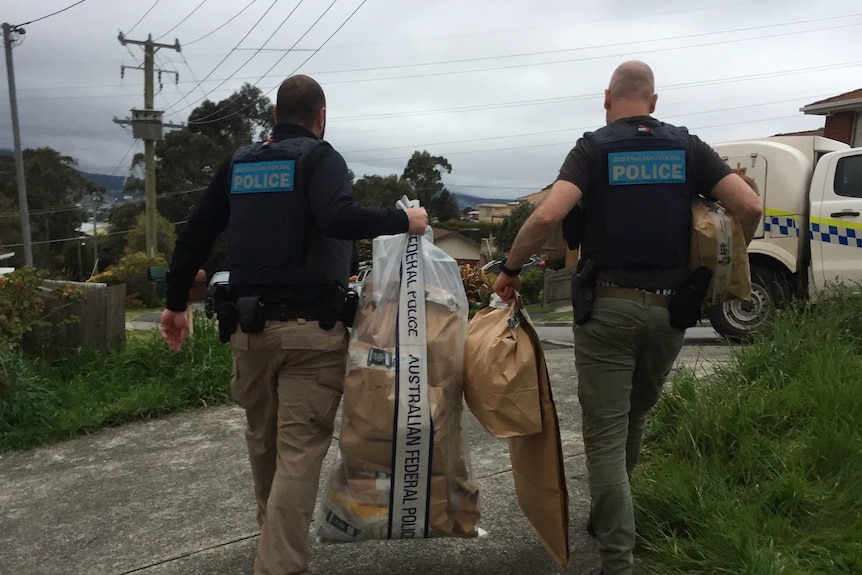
column 623, row 355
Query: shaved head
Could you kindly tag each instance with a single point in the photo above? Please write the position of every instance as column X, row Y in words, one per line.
column 299, row 101
column 632, row 80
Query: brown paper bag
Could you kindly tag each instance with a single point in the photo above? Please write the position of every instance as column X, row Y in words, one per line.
column 718, row 242
column 501, row 384
column 538, row 471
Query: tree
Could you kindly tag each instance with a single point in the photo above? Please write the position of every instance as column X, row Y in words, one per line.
column 423, row 173
column 122, row 221
column 54, row 190
column 379, row 191
column 166, row 237
column 245, row 116
column 513, row 222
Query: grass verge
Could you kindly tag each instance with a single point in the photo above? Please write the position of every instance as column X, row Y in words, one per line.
column 86, row 390
column 758, row 469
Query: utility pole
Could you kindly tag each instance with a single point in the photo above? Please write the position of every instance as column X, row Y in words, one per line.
column 10, row 34
column 147, row 125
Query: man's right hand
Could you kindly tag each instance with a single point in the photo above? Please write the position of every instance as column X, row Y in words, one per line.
column 417, row 220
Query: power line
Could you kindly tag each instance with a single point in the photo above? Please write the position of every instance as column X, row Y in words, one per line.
column 584, row 59
column 129, row 31
column 467, row 60
column 52, row 14
column 202, row 121
column 614, row 45
column 259, row 20
column 309, row 29
column 189, row 15
column 283, row 22
column 228, row 21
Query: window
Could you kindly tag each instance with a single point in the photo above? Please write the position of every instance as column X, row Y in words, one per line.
column 848, row 177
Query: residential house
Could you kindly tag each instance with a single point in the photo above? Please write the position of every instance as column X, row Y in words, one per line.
column 495, row 212
column 459, row 247
column 843, row 116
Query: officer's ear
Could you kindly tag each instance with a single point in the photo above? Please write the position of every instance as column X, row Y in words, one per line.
column 320, row 122
column 652, row 103
column 275, row 114
column 607, row 99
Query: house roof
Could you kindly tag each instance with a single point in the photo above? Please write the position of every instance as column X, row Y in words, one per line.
column 817, row 132
column 842, row 102
column 536, row 197
column 440, row 233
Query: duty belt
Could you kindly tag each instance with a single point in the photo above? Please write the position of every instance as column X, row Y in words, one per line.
column 637, row 295
column 285, row 312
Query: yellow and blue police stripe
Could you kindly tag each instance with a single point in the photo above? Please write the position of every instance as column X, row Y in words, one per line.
column 836, row 232
column 831, row 231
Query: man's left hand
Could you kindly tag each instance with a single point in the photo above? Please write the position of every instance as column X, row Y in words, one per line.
column 506, row 286
column 175, row 328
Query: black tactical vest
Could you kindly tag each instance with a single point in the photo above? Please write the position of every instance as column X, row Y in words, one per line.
column 273, row 239
column 637, row 211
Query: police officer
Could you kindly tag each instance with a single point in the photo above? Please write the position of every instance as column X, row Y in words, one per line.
column 288, row 207
column 634, row 179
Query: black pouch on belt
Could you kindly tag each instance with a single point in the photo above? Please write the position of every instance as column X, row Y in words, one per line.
column 583, row 290
column 686, row 304
column 333, row 308
column 250, row 313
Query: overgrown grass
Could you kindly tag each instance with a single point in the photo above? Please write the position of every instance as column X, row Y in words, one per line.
column 758, row 470
column 86, row 390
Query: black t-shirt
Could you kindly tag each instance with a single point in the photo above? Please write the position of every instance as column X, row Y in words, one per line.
column 708, row 170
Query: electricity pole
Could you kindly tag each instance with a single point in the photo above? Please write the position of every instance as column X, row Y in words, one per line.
column 10, row 34
column 147, row 125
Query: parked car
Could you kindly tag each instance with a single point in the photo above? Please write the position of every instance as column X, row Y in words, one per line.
column 219, row 278
column 494, row 265
column 357, row 282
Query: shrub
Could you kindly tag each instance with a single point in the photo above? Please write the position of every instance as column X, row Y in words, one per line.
column 132, row 271
column 23, row 302
column 532, row 285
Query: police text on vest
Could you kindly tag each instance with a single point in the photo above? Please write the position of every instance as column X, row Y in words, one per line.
column 646, row 167
column 252, row 177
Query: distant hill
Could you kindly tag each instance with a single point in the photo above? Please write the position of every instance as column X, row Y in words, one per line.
column 465, row 200
column 113, row 184
column 114, row 187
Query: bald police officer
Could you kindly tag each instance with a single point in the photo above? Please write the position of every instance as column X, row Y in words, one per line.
column 635, row 179
column 288, row 207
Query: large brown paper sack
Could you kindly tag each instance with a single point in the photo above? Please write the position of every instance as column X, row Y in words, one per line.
column 363, row 501
column 501, row 384
column 718, row 242
column 537, row 468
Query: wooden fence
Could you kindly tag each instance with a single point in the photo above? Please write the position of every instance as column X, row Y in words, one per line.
column 558, row 287
column 98, row 320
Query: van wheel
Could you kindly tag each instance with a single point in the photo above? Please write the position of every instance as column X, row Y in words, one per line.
column 738, row 320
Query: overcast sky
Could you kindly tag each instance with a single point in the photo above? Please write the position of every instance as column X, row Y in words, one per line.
column 502, row 89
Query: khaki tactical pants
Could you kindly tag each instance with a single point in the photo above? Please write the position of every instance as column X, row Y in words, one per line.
column 289, row 379
column 623, row 355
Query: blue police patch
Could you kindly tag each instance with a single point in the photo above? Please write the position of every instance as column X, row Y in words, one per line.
column 653, row 167
column 255, row 177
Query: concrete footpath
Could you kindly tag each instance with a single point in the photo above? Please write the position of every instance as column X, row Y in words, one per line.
column 173, row 496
